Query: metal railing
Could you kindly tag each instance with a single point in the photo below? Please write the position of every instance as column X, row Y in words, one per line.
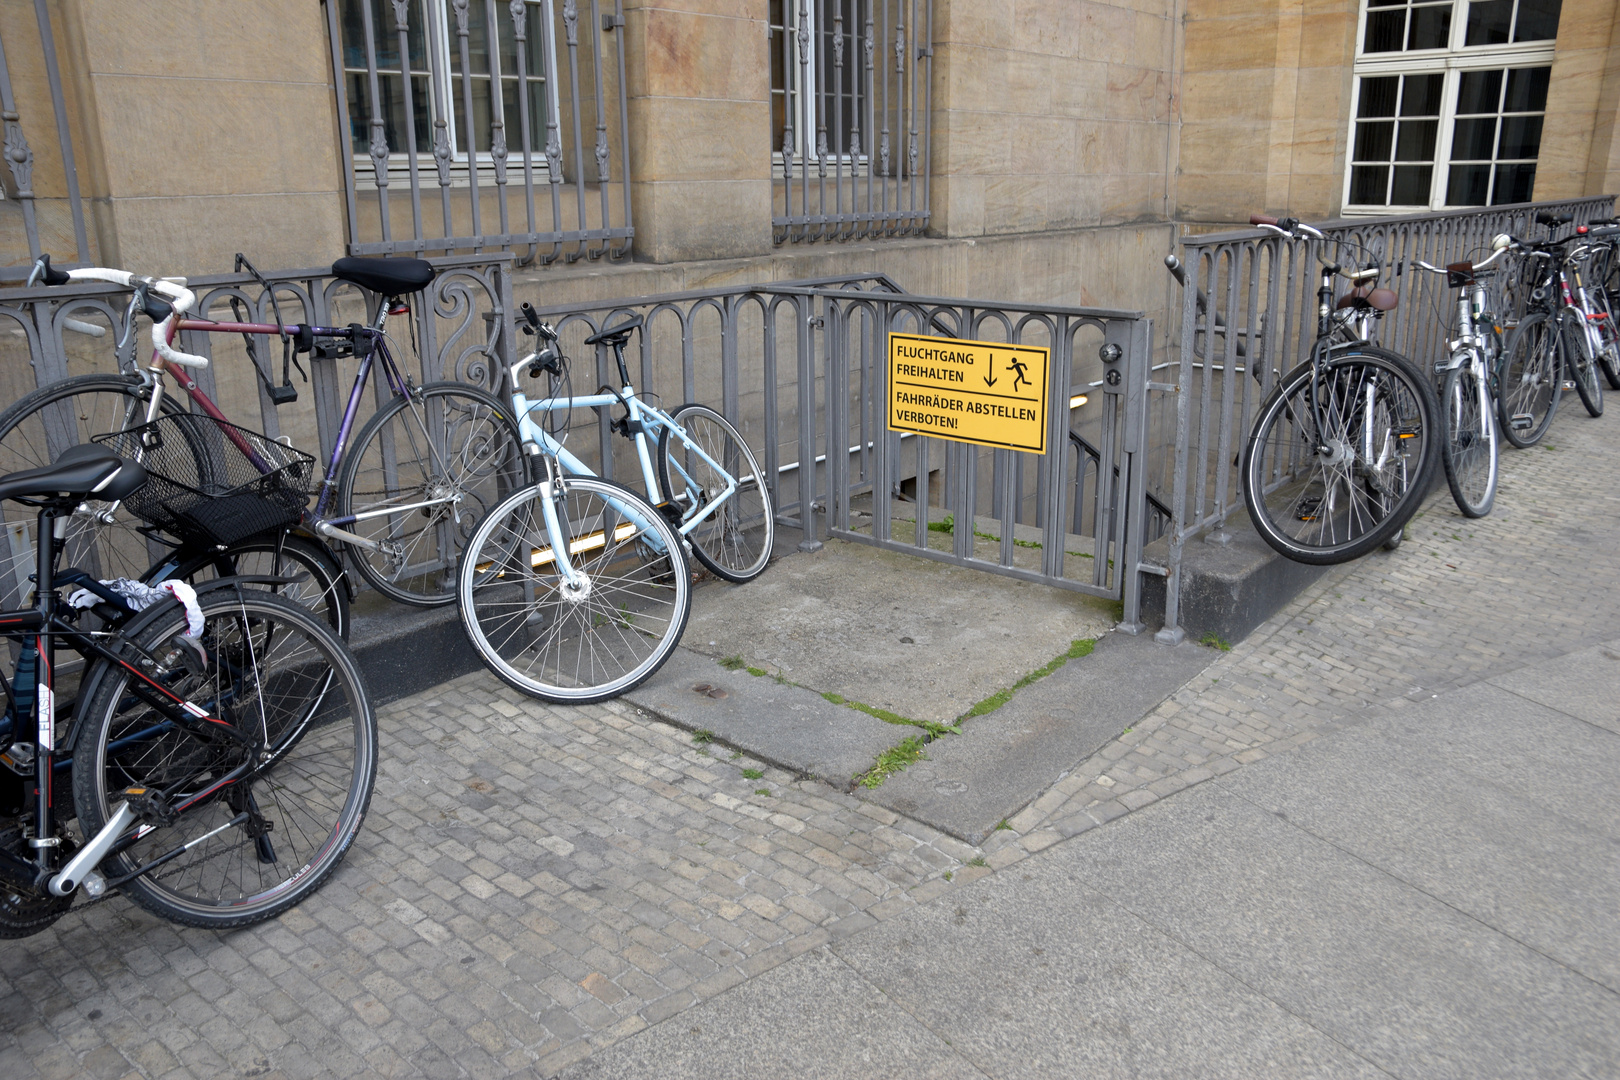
column 852, row 99
column 540, row 168
column 799, row 368
column 1260, row 322
column 46, row 192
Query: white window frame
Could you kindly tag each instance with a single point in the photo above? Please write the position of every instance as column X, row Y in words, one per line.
column 437, row 20
column 1451, row 61
column 805, row 117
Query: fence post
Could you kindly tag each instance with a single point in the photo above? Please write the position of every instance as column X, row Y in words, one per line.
column 1133, row 455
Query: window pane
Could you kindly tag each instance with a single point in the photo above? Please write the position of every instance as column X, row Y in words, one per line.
column 1421, row 95
column 1468, row 185
column 1378, row 96
column 1374, row 139
column 1521, row 137
column 1473, row 140
column 1412, row 185
column 1527, row 90
column 1478, row 92
column 1430, row 28
column 1368, row 184
column 1538, row 20
column 1489, row 23
column 1514, row 183
column 1416, row 140
column 1385, row 32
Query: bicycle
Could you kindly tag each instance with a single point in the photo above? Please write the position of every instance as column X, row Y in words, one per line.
column 43, row 424
column 1342, row 450
column 419, row 473
column 577, row 589
column 1468, row 448
column 220, row 754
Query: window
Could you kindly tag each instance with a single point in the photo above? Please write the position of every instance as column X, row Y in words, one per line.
column 826, row 120
column 431, row 28
column 1449, row 102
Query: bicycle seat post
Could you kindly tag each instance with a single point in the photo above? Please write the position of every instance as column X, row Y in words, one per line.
column 618, row 355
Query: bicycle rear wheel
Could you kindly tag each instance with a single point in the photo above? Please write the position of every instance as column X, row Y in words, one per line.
column 323, row 589
column 1579, row 362
column 421, row 474
column 1468, row 442
column 1608, row 357
column 588, row 641
column 734, row 541
column 1341, row 456
column 1530, row 382
column 266, row 842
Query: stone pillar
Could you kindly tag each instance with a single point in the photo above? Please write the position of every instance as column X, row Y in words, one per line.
column 1579, row 151
column 699, row 83
column 209, row 128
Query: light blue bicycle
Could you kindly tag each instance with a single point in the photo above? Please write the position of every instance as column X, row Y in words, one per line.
column 577, row 589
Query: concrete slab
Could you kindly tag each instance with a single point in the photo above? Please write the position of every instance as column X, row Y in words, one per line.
column 1036, row 974
column 812, row 1018
column 1397, row 976
column 916, row 637
column 1481, row 846
column 789, row 726
column 1584, row 684
column 1004, row 760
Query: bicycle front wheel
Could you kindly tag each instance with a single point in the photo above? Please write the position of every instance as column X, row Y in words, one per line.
column 421, row 474
column 1340, row 457
column 1579, row 363
column 1530, row 382
column 734, row 540
column 257, row 846
column 585, row 639
column 1468, row 442
column 34, row 431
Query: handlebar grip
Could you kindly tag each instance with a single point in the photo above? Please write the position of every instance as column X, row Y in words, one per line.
column 1261, row 219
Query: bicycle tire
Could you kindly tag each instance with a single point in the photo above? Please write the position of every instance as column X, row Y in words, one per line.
column 34, row 431
column 1579, row 362
column 552, row 642
column 1529, row 382
column 1608, row 335
column 735, row 541
column 273, row 668
column 1468, row 442
column 325, row 592
column 1379, row 499
column 448, row 438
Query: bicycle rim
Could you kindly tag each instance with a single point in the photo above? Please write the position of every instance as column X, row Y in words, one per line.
column 734, row 540
column 1339, row 458
column 563, row 643
column 322, row 589
column 1468, row 443
column 275, row 670
column 1580, row 363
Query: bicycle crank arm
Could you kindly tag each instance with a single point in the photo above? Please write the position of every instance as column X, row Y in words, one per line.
column 92, row 853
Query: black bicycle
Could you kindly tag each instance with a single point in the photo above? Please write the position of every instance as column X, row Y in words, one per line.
column 1343, row 449
column 218, row 753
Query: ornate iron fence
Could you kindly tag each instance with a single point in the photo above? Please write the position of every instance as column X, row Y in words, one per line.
column 1261, row 320
column 515, row 110
column 852, row 98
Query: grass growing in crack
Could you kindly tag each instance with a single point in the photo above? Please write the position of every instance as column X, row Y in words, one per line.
column 753, row 774
column 1002, row 824
column 977, row 860
column 1076, row 650
column 732, row 663
column 888, row 717
column 702, row 737
column 762, row 791
column 1215, row 641
column 893, row 760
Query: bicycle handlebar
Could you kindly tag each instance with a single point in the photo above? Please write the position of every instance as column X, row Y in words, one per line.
column 178, row 300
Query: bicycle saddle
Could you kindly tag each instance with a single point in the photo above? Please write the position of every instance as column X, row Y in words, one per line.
column 615, row 335
column 391, row 277
column 79, row 472
column 1382, row 299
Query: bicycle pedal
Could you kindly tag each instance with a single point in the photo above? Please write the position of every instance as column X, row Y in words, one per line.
column 1521, row 421
column 1307, row 509
column 148, row 807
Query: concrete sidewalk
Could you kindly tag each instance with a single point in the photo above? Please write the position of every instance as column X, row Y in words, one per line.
column 1378, row 836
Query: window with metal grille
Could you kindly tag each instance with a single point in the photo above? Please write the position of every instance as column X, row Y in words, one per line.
column 1449, row 101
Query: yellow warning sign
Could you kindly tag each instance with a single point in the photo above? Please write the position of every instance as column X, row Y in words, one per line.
column 983, row 392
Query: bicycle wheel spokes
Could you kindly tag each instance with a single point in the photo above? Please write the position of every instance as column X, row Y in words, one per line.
column 586, row 638
column 262, row 843
column 733, row 539
column 421, row 474
column 1530, row 382
column 1468, row 449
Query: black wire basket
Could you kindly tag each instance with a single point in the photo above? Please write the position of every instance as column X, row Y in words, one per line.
column 213, row 482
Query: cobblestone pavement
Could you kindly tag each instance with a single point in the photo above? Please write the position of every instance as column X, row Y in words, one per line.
column 533, row 882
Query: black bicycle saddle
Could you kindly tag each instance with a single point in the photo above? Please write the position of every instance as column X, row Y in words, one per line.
column 79, row 472
column 615, row 335
column 391, row 277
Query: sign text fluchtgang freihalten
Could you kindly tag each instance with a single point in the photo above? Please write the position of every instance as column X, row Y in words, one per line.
column 983, row 392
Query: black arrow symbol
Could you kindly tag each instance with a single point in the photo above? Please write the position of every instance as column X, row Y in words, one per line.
column 990, row 379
